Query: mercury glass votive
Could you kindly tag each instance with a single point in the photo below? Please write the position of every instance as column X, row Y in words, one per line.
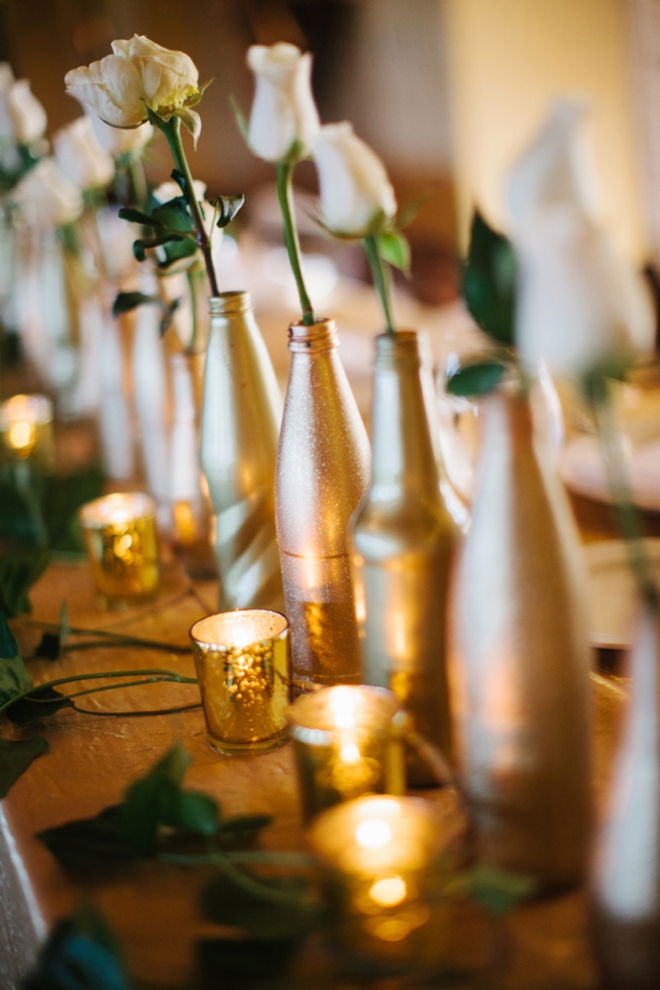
column 26, row 428
column 380, row 858
column 243, row 666
column 121, row 540
column 342, row 739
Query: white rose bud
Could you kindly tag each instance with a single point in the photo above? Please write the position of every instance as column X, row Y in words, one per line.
column 284, row 118
column 22, row 117
column 46, row 198
column 580, row 305
column 81, row 158
column 140, row 73
column 357, row 198
column 119, row 140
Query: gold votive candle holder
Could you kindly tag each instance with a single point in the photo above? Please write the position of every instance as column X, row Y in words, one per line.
column 342, row 738
column 26, row 428
column 380, row 857
column 121, row 540
column 243, row 663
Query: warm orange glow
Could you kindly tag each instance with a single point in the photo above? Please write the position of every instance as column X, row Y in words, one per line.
column 350, row 753
column 389, row 891
column 21, row 434
column 373, row 834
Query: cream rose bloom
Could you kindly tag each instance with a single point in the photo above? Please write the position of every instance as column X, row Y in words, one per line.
column 139, row 74
column 46, row 198
column 81, row 158
column 357, row 197
column 284, row 118
column 580, row 305
column 22, row 117
column 119, row 140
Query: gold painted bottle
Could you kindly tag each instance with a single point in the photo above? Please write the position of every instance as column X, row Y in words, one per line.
column 626, row 887
column 520, row 660
column 402, row 538
column 322, row 473
column 240, row 423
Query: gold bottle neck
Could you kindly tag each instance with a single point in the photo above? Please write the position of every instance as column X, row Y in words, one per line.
column 320, row 336
column 398, row 351
column 230, row 303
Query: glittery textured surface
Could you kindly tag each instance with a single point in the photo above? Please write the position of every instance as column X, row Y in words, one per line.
column 322, row 473
column 240, row 423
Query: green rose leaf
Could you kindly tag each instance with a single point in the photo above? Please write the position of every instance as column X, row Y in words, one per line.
column 179, row 178
column 475, row 379
column 393, row 247
column 138, row 216
column 144, row 244
column 41, row 703
column 175, row 215
column 226, row 208
column 263, row 907
column 175, row 251
column 126, row 301
column 489, row 281
column 15, row 758
column 80, row 954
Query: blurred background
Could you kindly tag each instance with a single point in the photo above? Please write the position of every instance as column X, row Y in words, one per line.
column 447, row 91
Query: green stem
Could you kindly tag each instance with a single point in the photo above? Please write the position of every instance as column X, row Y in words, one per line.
column 173, row 674
column 243, row 880
column 119, row 638
column 381, row 280
column 105, row 687
column 190, row 278
column 257, row 857
column 138, row 181
column 622, row 499
column 172, row 131
column 285, row 194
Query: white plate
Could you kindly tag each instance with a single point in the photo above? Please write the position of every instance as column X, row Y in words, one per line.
column 611, row 593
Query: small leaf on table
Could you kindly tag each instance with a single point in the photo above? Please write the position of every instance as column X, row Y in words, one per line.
column 16, row 757
column 41, row 703
column 90, row 845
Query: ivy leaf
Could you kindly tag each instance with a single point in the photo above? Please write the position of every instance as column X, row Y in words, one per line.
column 245, row 962
column 18, row 572
column 16, row 757
column 91, row 846
column 39, row 704
column 227, row 207
column 8, row 644
column 489, row 281
column 126, row 301
column 263, row 907
column 144, row 244
column 499, row 891
column 14, row 678
column 393, row 247
column 80, row 954
column 157, row 798
column 478, row 378
column 138, row 216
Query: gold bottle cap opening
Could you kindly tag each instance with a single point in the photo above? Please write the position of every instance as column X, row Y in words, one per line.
column 403, row 345
column 230, row 302
column 320, row 336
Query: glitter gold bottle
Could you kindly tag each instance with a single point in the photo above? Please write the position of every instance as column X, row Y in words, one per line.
column 240, row 423
column 322, row 472
column 402, row 538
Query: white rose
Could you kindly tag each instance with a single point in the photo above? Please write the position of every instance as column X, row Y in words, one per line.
column 140, row 73
column 6, row 76
column 357, row 197
column 81, row 158
column 119, row 140
column 580, row 305
column 46, row 198
column 22, row 117
column 284, row 118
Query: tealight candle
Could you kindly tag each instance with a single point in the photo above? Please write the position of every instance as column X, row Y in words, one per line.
column 377, row 853
column 120, row 535
column 26, row 427
column 343, row 743
column 244, row 670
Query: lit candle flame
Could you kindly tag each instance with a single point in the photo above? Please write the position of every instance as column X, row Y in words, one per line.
column 373, row 834
column 389, row 891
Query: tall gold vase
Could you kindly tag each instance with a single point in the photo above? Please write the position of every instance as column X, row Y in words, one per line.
column 519, row 660
column 240, row 423
column 322, row 473
column 626, row 885
column 402, row 539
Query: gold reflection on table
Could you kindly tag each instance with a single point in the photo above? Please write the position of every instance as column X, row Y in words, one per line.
column 26, row 428
column 244, row 671
column 121, row 540
column 342, row 740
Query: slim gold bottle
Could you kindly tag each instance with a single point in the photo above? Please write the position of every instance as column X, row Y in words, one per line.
column 402, row 538
column 322, row 473
column 520, row 659
column 240, row 424
column 626, row 885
